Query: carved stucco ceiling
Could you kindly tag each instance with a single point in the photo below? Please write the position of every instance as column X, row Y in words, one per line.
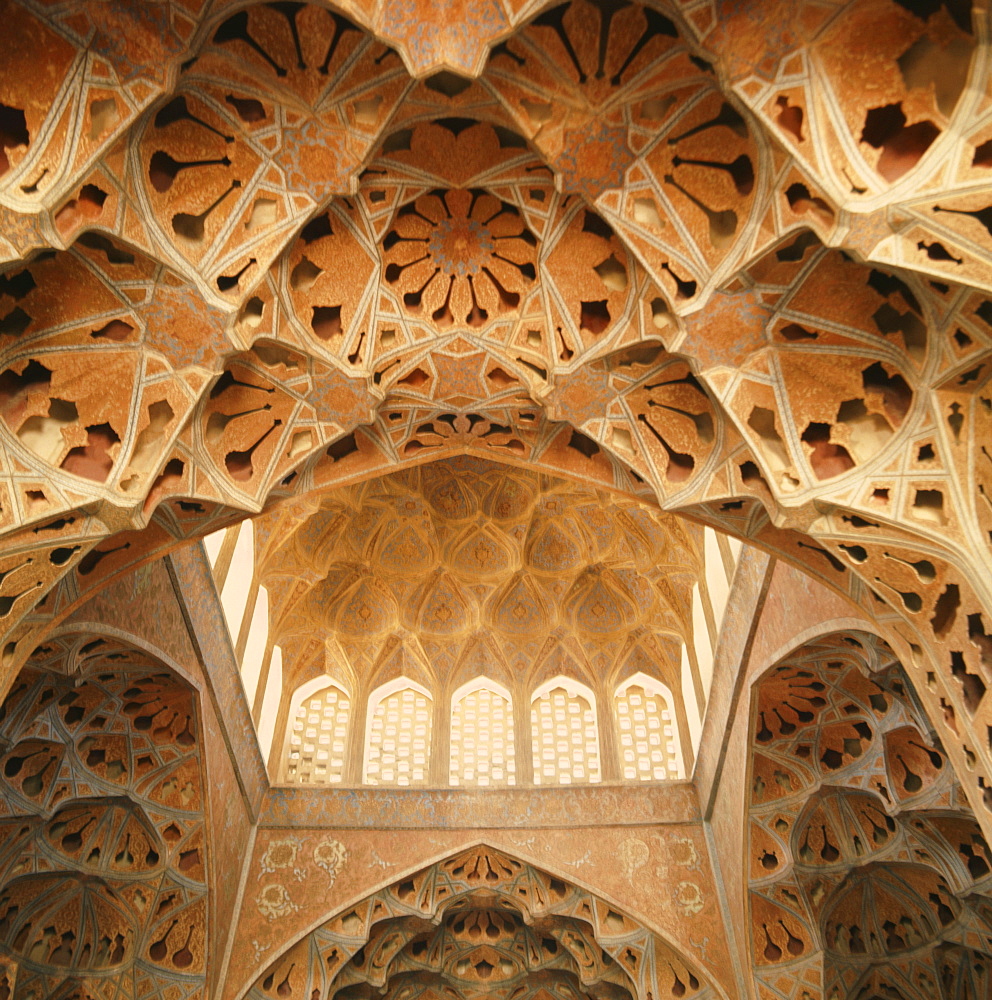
column 464, row 566
column 730, row 260
column 865, row 861
column 103, row 842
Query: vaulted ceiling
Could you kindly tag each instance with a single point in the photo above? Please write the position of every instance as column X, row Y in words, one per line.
column 734, row 263
column 464, row 567
column 692, row 258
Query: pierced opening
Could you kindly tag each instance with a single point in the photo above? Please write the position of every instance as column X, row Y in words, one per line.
column 595, row 316
column 945, row 610
column 802, row 201
column 93, row 460
column 902, row 145
column 303, row 276
column 263, row 213
column 367, row 110
column 317, row 229
column 113, row 253
column 326, row 322
column 583, row 445
column 415, row 379
column 646, row 213
column 928, row 505
column 116, row 330
column 103, row 117
column 447, row 83
column 596, row 224
column 612, row 273
column 789, row 117
column 342, row 448
column 248, row 109
column 13, row 133
column 827, row 459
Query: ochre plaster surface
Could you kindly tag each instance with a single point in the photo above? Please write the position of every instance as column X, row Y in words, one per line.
column 659, row 875
column 725, row 263
column 732, row 263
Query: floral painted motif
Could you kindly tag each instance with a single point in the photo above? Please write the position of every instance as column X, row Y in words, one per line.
column 274, row 901
column 330, row 855
column 280, row 854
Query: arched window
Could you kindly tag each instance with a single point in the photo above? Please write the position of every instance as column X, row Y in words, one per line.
column 482, row 752
column 398, row 736
column 212, row 545
column 237, row 585
column 649, row 742
column 270, row 704
column 318, row 733
column 701, row 639
column 564, row 734
column 257, row 641
column 718, row 574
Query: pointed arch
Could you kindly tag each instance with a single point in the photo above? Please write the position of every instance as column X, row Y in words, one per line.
column 650, row 748
column 317, row 733
column 565, row 733
column 481, row 888
column 398, row 734
column 482, row 751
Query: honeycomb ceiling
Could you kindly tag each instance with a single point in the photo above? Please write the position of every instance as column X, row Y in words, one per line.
column 457, row 568
column 733, row 261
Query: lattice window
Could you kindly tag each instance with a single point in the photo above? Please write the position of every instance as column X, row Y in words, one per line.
column 649, row 744
column 482, row 751
column 564, row 733
column 397, row 748
column 318, row 738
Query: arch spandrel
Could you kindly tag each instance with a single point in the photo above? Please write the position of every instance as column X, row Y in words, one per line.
column 478, row 900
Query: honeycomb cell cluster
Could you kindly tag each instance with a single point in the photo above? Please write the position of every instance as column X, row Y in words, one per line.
column 290, row 261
